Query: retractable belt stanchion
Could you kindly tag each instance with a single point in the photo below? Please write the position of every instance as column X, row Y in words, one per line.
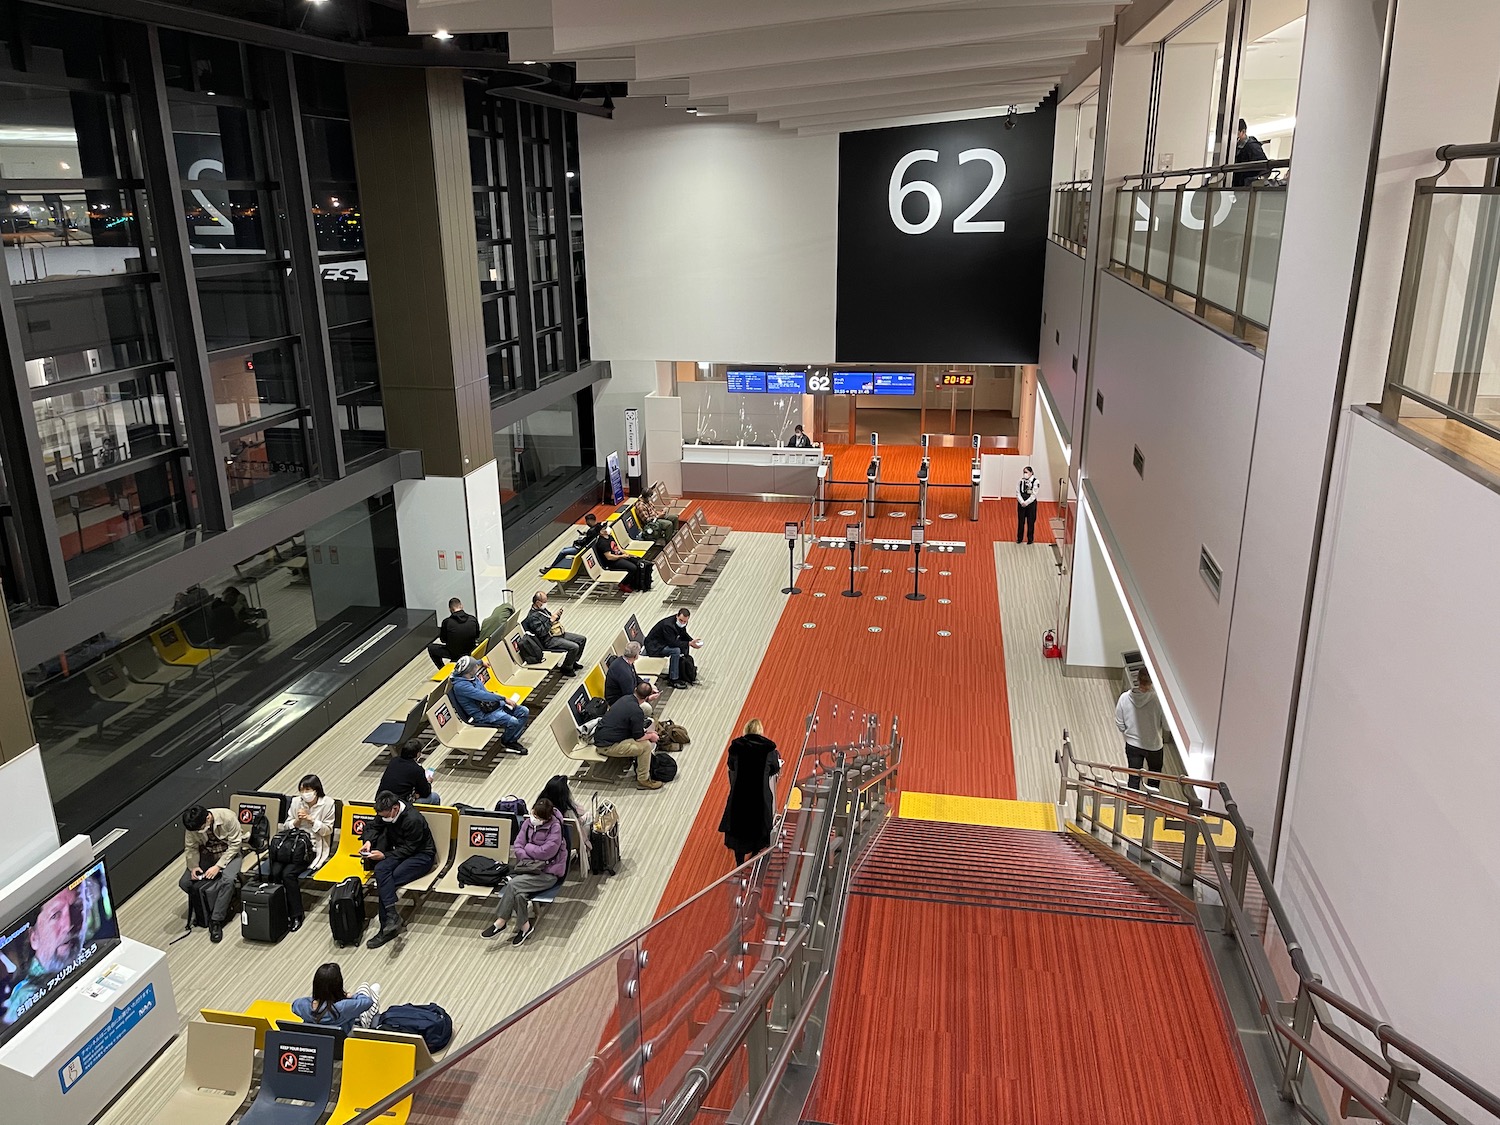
column 974, row 482
column 851, row 537
column 824, row 470
column 793, row 532
column 918, row 533
column 872, row 476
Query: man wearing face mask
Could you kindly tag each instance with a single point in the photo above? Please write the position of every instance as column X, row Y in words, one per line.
column 407, row 778
column 1139, row 717
column 312, row 812
column 399, row 843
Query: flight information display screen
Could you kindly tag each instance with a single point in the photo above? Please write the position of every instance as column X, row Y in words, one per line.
column 874, row 382
column 786, row 382
column 746, row 382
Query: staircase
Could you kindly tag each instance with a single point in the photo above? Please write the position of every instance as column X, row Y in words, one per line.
column 1005, row 868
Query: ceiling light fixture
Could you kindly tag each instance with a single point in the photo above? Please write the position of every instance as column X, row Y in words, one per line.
column 442, row 35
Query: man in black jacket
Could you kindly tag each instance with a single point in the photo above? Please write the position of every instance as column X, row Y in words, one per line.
column 1247, row 149
column 542, row 624
column 799, row 440
column 585, row 538
column 405, row 777
column 669, row 638
column 621, row 678
column 457, row 635
column 624, row 733
column 400, row 844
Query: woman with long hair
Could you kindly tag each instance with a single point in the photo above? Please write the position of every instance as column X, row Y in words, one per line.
column 330, row 1004
column 541, row 860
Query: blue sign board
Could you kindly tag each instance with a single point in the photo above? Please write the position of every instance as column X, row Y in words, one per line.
column 121, row 1022
column 616, row 483
column 786, row 382
column 874, row 382
column 746, row 382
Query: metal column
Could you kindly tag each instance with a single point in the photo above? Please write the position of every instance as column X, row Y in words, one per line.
column 872, row 476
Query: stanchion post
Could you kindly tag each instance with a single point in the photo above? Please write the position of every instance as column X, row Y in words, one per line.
column 851, row 536
column 793, row 532
column 918, row 534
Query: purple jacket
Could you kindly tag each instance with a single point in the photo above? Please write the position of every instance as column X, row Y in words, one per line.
column 545, row 843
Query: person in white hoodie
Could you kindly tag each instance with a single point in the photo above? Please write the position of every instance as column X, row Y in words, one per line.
column 1139, row 717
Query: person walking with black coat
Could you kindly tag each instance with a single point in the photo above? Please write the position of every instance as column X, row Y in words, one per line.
column 751, row 805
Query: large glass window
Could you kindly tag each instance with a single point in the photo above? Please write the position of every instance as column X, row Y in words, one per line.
column 495, row 248
column 1192, row 68
column 540, row 129
column 575, row 229
column 1270, row 73
column 116, row 714
column 329, row 144
column 543, row 453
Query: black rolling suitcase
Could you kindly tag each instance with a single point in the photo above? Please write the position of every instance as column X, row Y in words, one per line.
column 346, row 911
column 604, row 839
column 263, row 914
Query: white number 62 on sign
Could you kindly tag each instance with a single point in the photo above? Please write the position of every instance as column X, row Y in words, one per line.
column 965, row 223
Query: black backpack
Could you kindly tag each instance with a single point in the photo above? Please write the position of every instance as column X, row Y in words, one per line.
column 595, row 708
column 346, row 911
column 292, row 847
column 663, row 767
column 260, row 833
column 530, row 649
column 429, row 1021
column 482, row 871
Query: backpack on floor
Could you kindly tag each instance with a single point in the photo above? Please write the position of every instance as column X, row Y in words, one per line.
column 687, row 669
column 482, row 871
column 672, row 735
column 346, row 911
column 530, row 649
column 663, row 767
column 429, row 1021
column 292, row 847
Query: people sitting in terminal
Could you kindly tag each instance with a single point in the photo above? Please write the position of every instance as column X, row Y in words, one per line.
column 481, row 707
column 330, row 1004
column 586, row 536
column 1138, row 715
column 457, row 635
column 750, row 807
column 312, row 812
column 1026, row 494
column 233, row 620
column 213, row 848
column 621, row 677
column 799, row 440
column 623, row 733
column 539, row 860
column 406, row 777
column 546, row 627
column 669, row 638
column 637, row 573
column 1246, row 149
column 556, row 790
column 399, row 845
column 655, row 521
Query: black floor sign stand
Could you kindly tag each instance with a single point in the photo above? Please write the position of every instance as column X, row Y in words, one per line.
column 791, row 587
column 916, row 594
column 851, row 592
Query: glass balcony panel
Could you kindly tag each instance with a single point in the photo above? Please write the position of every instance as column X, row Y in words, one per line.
column 1163, row 221
column 1225, row 212
column 96, row 428
column 1265, row 252
column 1188, row 252
column 1140, row 218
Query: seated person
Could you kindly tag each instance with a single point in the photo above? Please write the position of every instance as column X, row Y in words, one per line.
column 405, row 777
column 799, row 440
column 586, row 535
column 231, row 618
column 621, row 677
column 546, row 627
column 637, row 573
column 480, row 707
column 213, row 848
column 542, row 847
column 457, row 635
column 669, row 637
column 330, row 1004
column 655, row 522
column 313, row 813
column 623, row 733
column 398, row 842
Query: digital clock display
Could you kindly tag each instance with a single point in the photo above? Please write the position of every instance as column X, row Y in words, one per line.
column 958, row 379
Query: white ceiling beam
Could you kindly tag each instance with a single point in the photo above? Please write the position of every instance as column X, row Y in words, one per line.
column 811, row 119
column 915, row 83
column 688, row 101
column 873, row 67
column 605, row 70
column 536, row 44
column 897, row 122
column 479, row 16
column 614, row 23
column 659, row 88
column 871, row 35
column 912, row 102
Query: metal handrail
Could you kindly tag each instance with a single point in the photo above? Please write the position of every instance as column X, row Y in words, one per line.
column 1211, row 170
column 1403, row 1078
column 1489, row 150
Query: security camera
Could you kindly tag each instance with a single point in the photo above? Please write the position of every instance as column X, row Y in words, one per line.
column 1010, row 118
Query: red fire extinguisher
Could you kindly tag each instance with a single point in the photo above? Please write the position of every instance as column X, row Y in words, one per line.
column 1049, row 645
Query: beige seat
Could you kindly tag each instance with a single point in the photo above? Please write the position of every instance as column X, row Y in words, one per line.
column 479, row 834
column 572, row 743
column 672, row 577
column 644, row 665
column 142, row 666
column 454, row 733
column 443, row 821
column 109, row 680
column 549, row 661
column 597, row 574
column 256, row 1024
column 621, row 536
column 215, row 1077
column 425, row 1061
column 718, row 534
column 507, row 667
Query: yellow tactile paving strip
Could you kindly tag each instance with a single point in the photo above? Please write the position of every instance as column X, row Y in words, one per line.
column 979, row 810
column 1135, row 825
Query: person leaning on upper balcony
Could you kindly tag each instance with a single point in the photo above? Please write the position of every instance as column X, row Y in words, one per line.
column 1247, row 149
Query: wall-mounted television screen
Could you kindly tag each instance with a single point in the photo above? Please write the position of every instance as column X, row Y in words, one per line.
column 48, row 947
column 853, row 382
column 874, row 382
column 786, row 382
column 746, row 382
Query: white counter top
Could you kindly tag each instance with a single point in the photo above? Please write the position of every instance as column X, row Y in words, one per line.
column 750, row 455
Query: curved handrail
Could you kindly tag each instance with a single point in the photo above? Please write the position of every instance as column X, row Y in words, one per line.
column 1211, row 170
column 1309, row 985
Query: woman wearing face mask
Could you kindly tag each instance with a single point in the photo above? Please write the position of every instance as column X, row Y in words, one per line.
column 541, row 859
column 312, row 812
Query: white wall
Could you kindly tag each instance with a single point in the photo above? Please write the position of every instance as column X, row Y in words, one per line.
column 1098, row 630
column 1335, row 122
column 708, row 240
column 1391, row 869
column 1190, row 100
column 630, row 381
column 28, row 834
column 1186, row 396
column 1062, row 311
column 1445, row 73
column 452, row 515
